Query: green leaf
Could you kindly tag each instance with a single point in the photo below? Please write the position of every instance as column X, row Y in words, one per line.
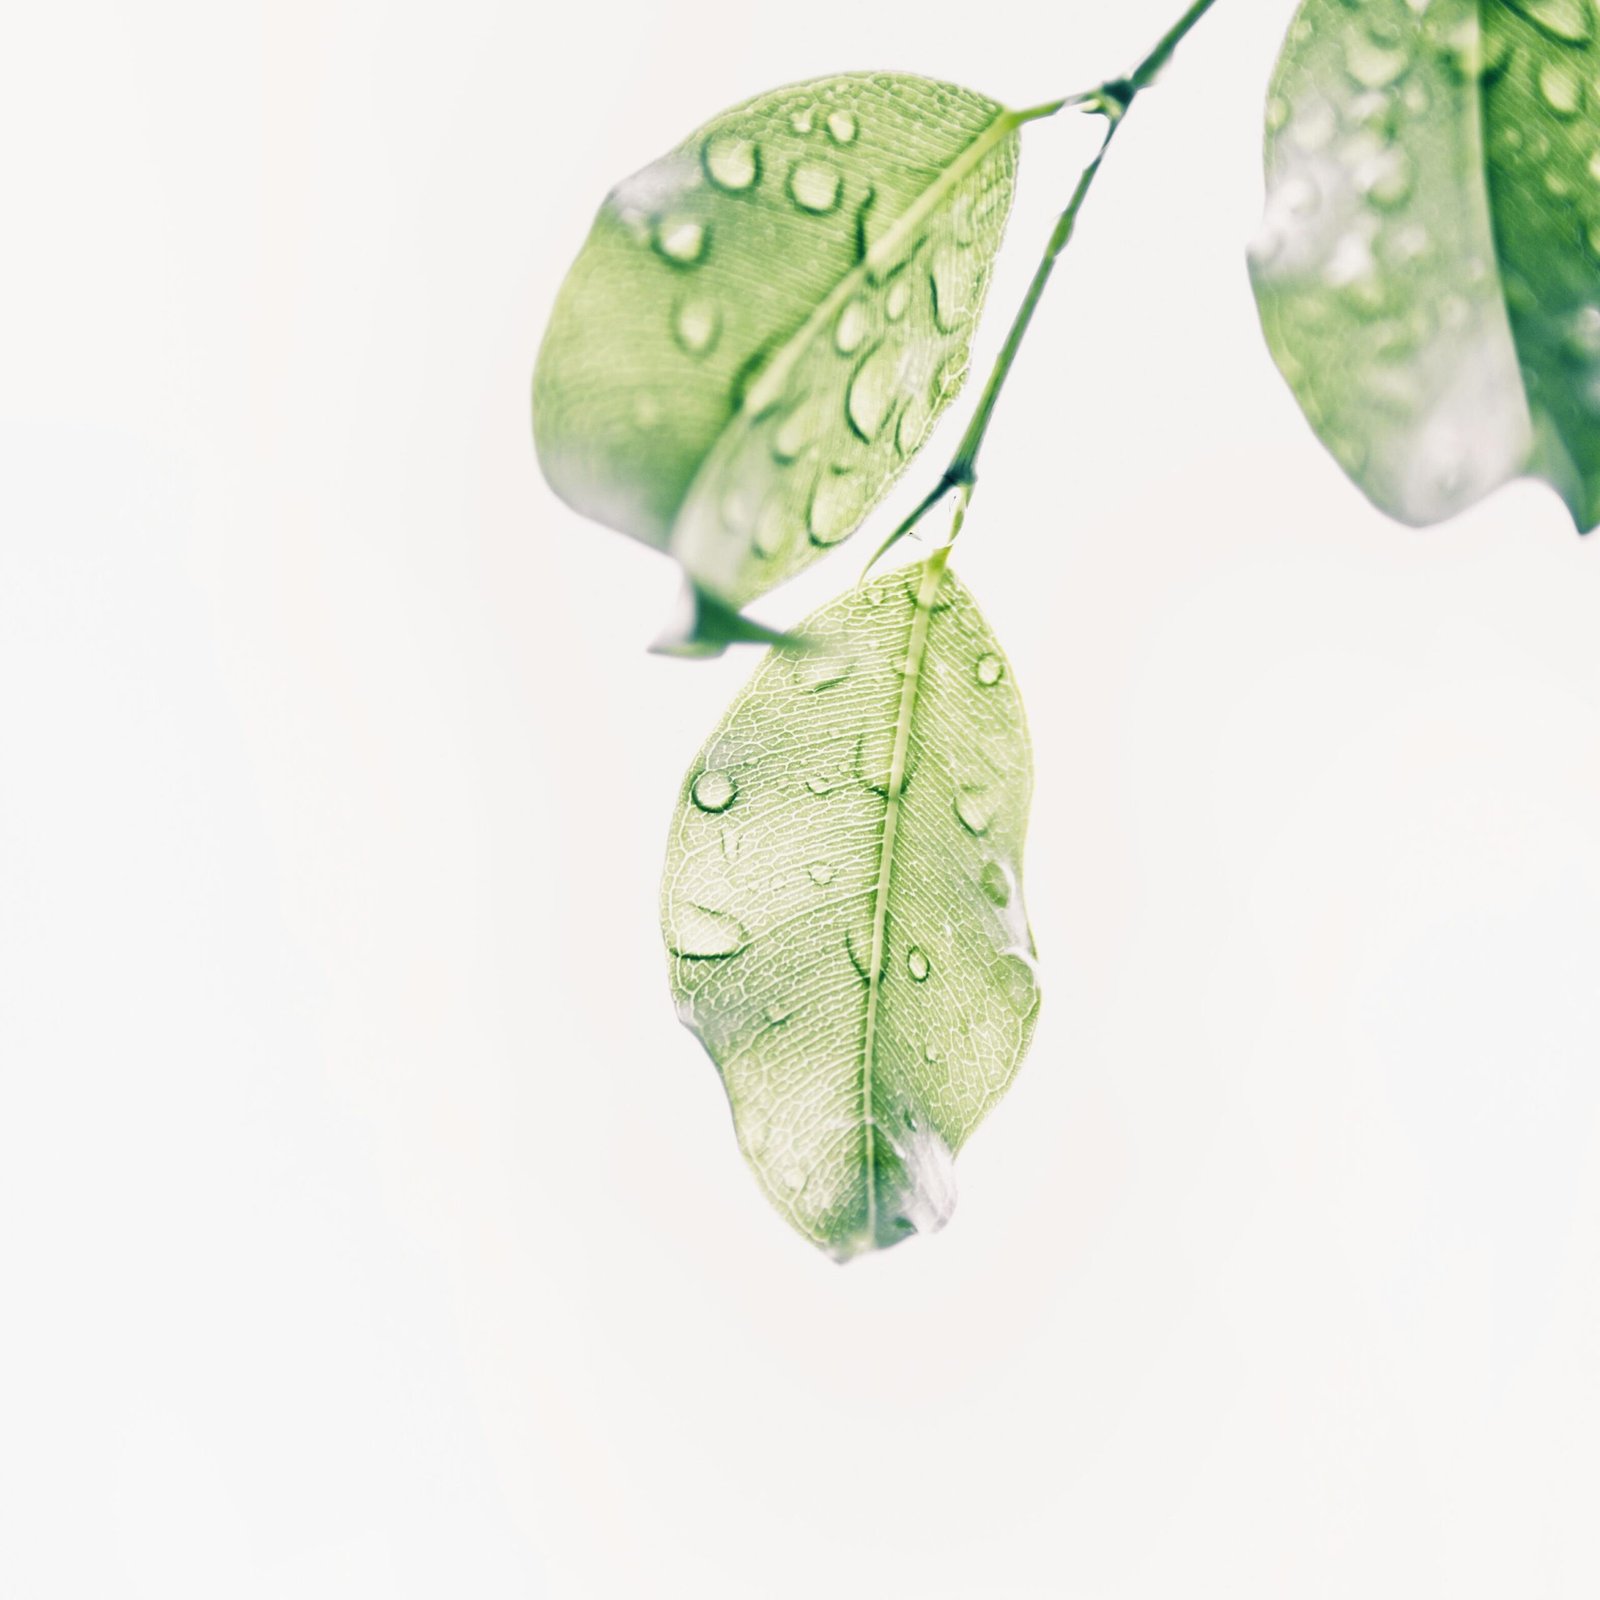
column 1429, row 271
column 843, row 907
column 764, row 324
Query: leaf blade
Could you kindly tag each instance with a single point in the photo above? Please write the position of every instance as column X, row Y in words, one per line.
column 752, row 343
column 843, row 911
column 1425, row 277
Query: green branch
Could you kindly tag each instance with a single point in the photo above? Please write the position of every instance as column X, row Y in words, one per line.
column 1112, row 101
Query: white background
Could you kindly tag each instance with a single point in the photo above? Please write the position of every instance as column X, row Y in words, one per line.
column 367, row 1225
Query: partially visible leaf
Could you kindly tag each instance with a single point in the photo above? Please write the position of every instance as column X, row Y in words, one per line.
column 843, row 907
column 706, row 626
column 1429, row 270
column 764, row 324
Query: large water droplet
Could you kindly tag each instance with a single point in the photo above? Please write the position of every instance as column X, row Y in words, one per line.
column 990, row 670
column 837, row 504
column 870, row 394
column 697, row 933
column 814, row 187
column 841, row 126
column 714, row 791
column 951, row 283
column 1570, row 21
column 794, row 432
column 898, row 298
column 850, row 329
column 1018, row 983
column 1372, row 64
column 697, row 325
column 1562, row 88
column 772, row 529
column 995, row 882
column 681, row 240
column 975, row 810
column 918, row 965
column 731, row 162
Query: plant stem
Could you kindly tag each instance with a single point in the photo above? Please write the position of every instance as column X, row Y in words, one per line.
column 1111, row 100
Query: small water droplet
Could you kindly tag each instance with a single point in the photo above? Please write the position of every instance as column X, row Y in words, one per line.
column 681, row 240
column 821, row 872
column 1277, row 112
column 1562, row 88
column 794, row 432
column 697, row 933
column 850, row 329
column 995, row 882
column 1594, row 237
column 951, row 286
column 1569, row 21
column 841, row 126
column 732, row 844
column 990, row 670
column 858, row 946
column 714, row 791
column 918, row 965
column 1314, row 125
column 898, row 298
column 814, row 187
column 801, row 121
column 1390, row 178
column 821, row 783
column 975, row 810
column 731, row 162
column 1594, row 166
column 931, row 1054
column 697, row 325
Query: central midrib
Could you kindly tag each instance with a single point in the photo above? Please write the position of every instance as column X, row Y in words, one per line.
column 916, row 648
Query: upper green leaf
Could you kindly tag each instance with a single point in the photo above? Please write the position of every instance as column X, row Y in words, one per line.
column 843, row 907
column 764, row 323
column 1429, row 270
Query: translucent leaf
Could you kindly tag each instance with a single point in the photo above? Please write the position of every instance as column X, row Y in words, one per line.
column 764, row 324
column 843, row 907
column 1429, row 270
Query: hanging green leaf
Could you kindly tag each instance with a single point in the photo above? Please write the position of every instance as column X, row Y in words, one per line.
column 1429, row 270
column 843, row 907
column 764, row 324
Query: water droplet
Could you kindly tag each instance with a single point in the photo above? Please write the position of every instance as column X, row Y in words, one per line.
column 1570, row 21
column 819, row 670
column 1018, row 983
column 814, row 187
column 837, row 504
column 1594, row 237
column 772, row 529
column 1314, row 125
column 875, row 760
column 820, row 783
column 858, row 946
column 1594, row 166
column 850, row 329
column 990, row 670
column 951, row 284
column 801, row 121
column 841, row 126
column 870, row 393
column 697, row 933
column 995, row 882
column 899, row 297
column 1277, row 113
column 1562, row 88
column 797, row 429
column 1372, row 64
column 697, row 325
column 731, row 162
column 714, row 791
column 931, row 1054
column 732, row 844
column 975, row 810
column 918, row 966
column 1389, row 180
column 1583, row 334
column 681, row 240
column 821, row 872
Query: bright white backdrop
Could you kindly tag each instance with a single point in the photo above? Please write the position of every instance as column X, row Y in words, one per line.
column 369, row 1228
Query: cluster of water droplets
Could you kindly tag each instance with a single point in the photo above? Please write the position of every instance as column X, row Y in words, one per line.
column 1375, row 262
column 823, row 426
